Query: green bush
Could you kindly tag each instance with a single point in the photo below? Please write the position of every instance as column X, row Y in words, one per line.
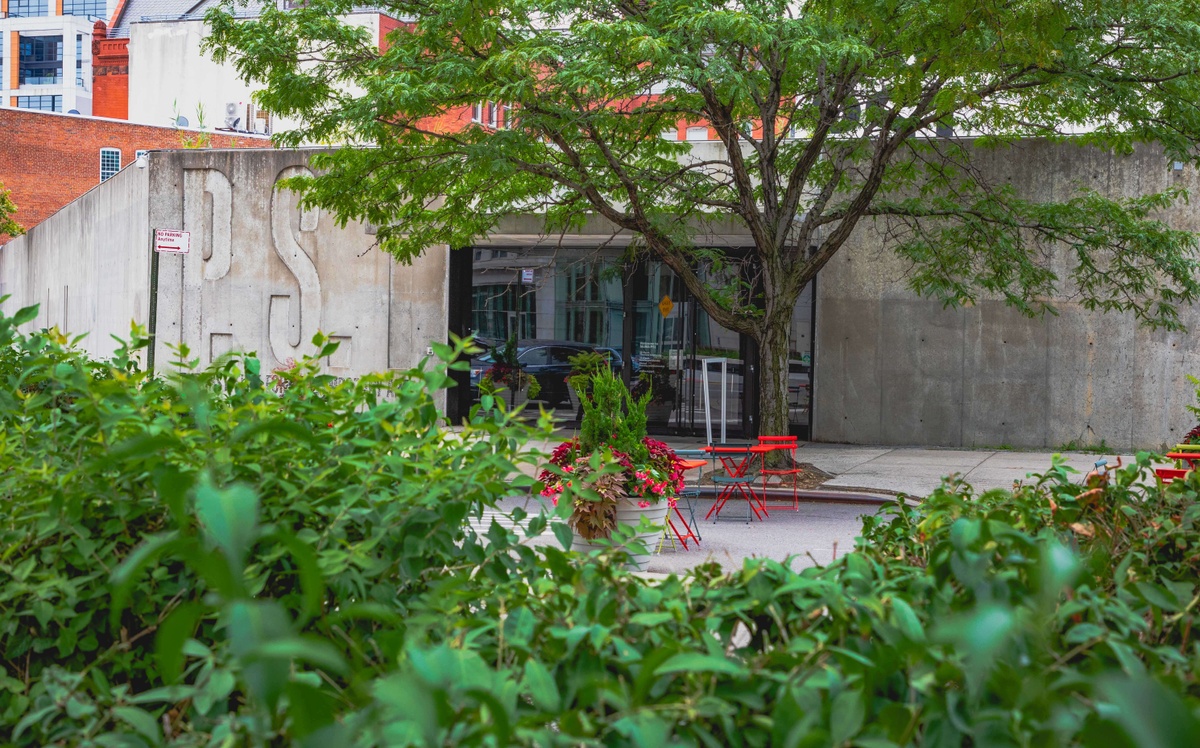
column 296, row 569
column 114, row 523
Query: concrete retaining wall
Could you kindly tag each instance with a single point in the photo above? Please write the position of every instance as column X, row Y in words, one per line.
column 893, row 368
column 261, row 275
column 87, row 266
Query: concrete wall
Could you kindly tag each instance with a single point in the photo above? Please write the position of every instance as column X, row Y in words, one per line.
column 261, row 275
column 88, row 265
column 893, row 368
column 264, row 276
column 170, row 76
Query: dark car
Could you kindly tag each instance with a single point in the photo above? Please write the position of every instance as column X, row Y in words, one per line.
column 549, row 362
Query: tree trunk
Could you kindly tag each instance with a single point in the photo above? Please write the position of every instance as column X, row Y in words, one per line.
column 773, row 353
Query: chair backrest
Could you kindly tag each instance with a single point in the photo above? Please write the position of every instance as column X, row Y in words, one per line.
column 790, row 443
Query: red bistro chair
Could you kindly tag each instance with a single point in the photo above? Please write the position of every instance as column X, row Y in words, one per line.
column 781, row 443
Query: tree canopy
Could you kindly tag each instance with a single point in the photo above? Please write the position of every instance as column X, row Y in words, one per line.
column 8, row 208
column 826, row 113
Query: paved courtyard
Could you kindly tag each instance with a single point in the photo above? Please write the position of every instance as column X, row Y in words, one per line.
column 830, row 518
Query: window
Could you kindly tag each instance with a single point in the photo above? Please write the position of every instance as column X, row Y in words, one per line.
column 40, row 60
column 79, row 59
column 42, row 103
column 110, row 162
column 491, row 114
column 697, row 133
column 495, row 314
column 534, row 357
column 28, row 8
column 90, row 8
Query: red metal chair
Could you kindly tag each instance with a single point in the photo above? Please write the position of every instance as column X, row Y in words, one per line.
column 782, row 443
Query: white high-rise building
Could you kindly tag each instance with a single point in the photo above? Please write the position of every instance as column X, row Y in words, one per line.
column 46, row 53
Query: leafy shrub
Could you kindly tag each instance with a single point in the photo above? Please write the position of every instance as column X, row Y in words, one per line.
column 304, row 569
column 114, row 522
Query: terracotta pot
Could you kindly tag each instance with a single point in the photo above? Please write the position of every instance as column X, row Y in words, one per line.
column 629, row 513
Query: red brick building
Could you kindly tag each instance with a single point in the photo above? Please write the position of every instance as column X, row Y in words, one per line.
column 110, row 74
column 47, row 159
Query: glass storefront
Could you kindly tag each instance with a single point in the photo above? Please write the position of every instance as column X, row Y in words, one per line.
column 559, row 301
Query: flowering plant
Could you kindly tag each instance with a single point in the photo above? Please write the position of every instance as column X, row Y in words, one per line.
column 613, row 457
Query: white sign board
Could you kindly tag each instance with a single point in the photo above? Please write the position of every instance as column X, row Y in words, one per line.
column 169, row 240
column 527, row 275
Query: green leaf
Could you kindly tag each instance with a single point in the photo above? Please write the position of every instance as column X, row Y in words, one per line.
column 700, row 663
column 126, row 574
column 305, row 649
column 564, row 533
column 140, row 720
column 906, row 620
column 310, row 709
column 25, row 314
column 176, row 629
column 312, row 582
column 230, row 519
column 846, row 716
column 541, row 686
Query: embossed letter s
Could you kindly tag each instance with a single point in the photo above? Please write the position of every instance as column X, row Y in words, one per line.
column 291, row 324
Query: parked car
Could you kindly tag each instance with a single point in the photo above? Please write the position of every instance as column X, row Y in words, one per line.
column 549, row 362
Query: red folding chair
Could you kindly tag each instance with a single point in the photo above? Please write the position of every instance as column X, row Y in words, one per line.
column 685, row 530
column 782, row 443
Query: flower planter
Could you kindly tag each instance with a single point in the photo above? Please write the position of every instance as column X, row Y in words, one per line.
column 629, row 513
column 659, row 413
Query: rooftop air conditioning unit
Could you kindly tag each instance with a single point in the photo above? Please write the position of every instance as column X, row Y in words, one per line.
column 231, row 115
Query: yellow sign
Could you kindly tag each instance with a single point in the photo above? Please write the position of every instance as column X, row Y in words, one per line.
column 665, row 306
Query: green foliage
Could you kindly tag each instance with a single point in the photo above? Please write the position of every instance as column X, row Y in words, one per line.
column 7, row 209
column 826, row 115
column 199, row 560
column 318, row 511
column 613, row 418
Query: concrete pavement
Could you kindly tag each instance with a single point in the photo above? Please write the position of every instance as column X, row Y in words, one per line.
column 830, row 518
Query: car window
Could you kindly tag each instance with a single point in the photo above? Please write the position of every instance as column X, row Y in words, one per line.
column 561, row 355
column 534, row 357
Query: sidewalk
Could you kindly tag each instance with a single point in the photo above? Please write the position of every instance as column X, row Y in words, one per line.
column 916, row 471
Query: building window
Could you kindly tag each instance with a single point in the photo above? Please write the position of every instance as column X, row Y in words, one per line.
column 28, row 8
column 110, row 162
column 79, row 59
column 42, row 103
column 500, row 310
column 491, row 114
column 41, row 60
column 91, row 8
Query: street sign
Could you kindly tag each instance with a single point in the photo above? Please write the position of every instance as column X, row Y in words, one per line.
column 170, row 240
column 527, row 275
column 665, row 306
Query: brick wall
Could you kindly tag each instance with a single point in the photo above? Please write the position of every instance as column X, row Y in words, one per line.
column 48, row 159
column 110, row 74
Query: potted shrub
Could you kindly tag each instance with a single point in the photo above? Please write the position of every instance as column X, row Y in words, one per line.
column 633, row 479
